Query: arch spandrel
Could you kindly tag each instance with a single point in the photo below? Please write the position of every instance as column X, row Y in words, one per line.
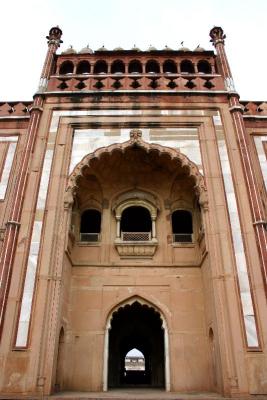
column 136, row 141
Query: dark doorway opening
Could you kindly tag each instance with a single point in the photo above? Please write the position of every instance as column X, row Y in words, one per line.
column 182, row 226
column 136, row 219
column 90, row 226
column 136, row 326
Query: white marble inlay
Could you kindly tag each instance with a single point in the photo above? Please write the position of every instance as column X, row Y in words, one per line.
column 118, row 112
column 262, row 156
column 86, row 141
column 45, row 179
column 9, row 139
column 240, row 257
column 28, row 291
column 26, row 305
column 8, row 163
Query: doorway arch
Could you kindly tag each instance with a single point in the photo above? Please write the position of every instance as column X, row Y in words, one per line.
column 136, row 323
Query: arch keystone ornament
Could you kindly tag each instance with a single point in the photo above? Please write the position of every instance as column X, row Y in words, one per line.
column 135, row 135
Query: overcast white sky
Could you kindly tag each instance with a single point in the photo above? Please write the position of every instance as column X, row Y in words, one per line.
column 25, row 23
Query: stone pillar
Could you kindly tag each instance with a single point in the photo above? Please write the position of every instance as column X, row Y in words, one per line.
column 217, row 38
column 54, row 41
column 153, row 228
column 118, row 227
column 13, row 223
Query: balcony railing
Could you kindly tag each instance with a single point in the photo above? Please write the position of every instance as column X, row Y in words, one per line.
column 90, row 237
column 182, row 238
column 135, row 236
column 102, row 82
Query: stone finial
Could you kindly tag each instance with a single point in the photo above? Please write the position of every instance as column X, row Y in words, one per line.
column 54, row 36
column 135, row 134
column 217, row 35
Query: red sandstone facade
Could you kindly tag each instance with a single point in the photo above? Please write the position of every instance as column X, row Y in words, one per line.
column 133, row 215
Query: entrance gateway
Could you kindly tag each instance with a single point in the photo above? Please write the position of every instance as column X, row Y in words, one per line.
column 136, row 324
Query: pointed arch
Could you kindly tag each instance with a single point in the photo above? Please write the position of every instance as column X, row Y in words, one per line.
column 174, row 155
column 115, row 309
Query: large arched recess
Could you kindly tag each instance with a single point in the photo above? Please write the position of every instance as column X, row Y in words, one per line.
column 136, row 140
column 136, row 322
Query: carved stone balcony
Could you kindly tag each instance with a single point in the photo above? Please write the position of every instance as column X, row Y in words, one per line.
column 136, row 245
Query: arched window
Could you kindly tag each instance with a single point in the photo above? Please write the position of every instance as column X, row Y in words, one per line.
column 101, row 67
column 187, row 67
column 118, row 67
column 83, row 68
column 135, row 67
column 169, row 67
column 134, row 368
column 90, row 226
column 66, row 68
column 152, row 67
column 182, row 227
column 204, row 67
column 136, row 224
column 134, row 361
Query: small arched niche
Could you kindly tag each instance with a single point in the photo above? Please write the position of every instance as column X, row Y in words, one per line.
column 136, row 224
column 59, row 381
column 135, row 67
column 204, row 67
column 152, row 67
column 187, row 67
column 136, row 214
column 83, row 67
column 86, row 216
column 117, row 67
column 101, row 67
column 182, row 226
column 169, row 67
column 66, row 68
column 90, row 227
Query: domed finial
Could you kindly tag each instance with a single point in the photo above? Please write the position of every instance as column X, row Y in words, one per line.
column 54, row 36
column 217, row 35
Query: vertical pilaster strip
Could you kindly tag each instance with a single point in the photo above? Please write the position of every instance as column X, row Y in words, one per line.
column 238, row 245
column 11, row 234
column 29, row 284
column 217, row 37
column 6, row 165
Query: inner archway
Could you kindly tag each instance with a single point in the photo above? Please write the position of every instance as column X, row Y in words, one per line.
column 136, row 326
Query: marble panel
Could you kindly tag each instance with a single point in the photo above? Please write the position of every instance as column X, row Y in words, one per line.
column 262, row 156
column 252, row 336
column 239, row 252
column 32, row 262
column 87, row 141
column 44, row 180
column 23, row 328
column 7, row 164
